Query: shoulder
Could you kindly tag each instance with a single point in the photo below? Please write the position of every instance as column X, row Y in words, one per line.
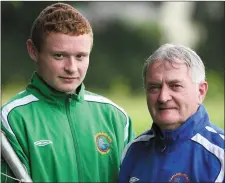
column 211, row 137
column 103, row 101
column 93, row 97
column 141, row 140
column 138, row 143
column 23, row 98
column 210, row 142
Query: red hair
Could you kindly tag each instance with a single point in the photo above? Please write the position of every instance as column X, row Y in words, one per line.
column 59, row 18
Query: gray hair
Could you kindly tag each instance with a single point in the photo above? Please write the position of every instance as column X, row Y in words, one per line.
column 171, row 53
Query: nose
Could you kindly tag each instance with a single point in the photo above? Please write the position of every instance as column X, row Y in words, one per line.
column 164, row 95
column 71, row 65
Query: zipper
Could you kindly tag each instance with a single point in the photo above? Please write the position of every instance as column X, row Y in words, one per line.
column 68, row 102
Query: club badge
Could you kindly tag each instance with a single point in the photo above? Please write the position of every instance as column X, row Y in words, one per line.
column 103, row 142
column 179, row 177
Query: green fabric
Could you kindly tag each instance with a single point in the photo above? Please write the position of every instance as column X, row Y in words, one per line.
column 6, row 171
column 66, row 137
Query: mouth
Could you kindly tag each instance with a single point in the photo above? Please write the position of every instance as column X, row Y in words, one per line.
column 166, row 108
column 69, row 79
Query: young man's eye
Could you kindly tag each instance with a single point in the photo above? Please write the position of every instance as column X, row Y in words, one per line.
column 58, row 55
column 81, row 56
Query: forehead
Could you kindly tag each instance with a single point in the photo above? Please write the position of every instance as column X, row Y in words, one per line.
column 164, row 70
column 63, row 42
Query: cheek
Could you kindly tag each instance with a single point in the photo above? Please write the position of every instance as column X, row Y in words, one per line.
column 83, row 67
column 53, row 68
column 192, row 96
column 187, row 101
column 49, row 65
column 151, row 100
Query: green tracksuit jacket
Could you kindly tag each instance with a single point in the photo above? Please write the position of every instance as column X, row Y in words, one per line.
column 66, row 137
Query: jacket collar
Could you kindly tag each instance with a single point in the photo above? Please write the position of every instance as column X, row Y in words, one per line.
column 38, row 86
column 192, row 125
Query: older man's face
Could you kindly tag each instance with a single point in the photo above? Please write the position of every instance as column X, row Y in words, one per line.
column 172, row 97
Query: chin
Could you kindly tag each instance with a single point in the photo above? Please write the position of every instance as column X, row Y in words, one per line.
column 167, row 120
column 66, row 90
column 70, row 91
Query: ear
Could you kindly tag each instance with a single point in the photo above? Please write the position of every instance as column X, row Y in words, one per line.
column 32, row 51
column 203, row 88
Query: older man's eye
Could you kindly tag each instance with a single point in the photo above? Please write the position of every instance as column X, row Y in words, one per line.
column 176, row 86
column 153, row 88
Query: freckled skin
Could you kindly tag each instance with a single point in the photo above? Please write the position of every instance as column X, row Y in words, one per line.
column 63, row 60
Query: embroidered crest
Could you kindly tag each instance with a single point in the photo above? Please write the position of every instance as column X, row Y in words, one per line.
column 179, row 177
column 103, row 142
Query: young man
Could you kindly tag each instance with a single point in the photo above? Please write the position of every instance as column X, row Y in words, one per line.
column 182, row 145
column 60, row 131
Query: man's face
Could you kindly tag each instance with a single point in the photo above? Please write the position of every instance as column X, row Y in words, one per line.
column 172, row 96
column 63, row 60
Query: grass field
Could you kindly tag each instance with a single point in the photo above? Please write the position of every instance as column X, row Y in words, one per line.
column 136, row 107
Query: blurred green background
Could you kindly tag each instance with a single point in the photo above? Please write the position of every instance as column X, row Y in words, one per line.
column 125, row 34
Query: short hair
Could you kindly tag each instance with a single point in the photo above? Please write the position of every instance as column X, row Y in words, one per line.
column 59, row 18
column 172, row 53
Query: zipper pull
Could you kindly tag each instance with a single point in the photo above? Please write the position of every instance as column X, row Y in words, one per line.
column 163, row 149
column 70, row 98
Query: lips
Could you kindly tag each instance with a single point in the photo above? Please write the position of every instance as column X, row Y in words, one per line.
column 166, row 108
column 69, row 78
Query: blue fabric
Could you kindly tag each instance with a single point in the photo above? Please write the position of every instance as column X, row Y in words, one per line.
column 173, row 156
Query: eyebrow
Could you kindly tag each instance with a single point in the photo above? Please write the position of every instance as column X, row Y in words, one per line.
column 68, row 53
column 160, row 82
column 82, row 53
column 175, row 81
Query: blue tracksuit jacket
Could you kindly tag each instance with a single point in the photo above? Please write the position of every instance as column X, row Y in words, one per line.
column 194, row 152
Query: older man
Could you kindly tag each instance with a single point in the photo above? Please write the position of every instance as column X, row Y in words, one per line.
column 182, row 145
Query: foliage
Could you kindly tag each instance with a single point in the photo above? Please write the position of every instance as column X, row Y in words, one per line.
column 120, row 46
column 210, row 16
column 120, row 51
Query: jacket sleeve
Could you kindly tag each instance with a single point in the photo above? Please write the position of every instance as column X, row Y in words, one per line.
column 6, row 173
column 14, row 139
column 126, row 165
column 129, row 132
